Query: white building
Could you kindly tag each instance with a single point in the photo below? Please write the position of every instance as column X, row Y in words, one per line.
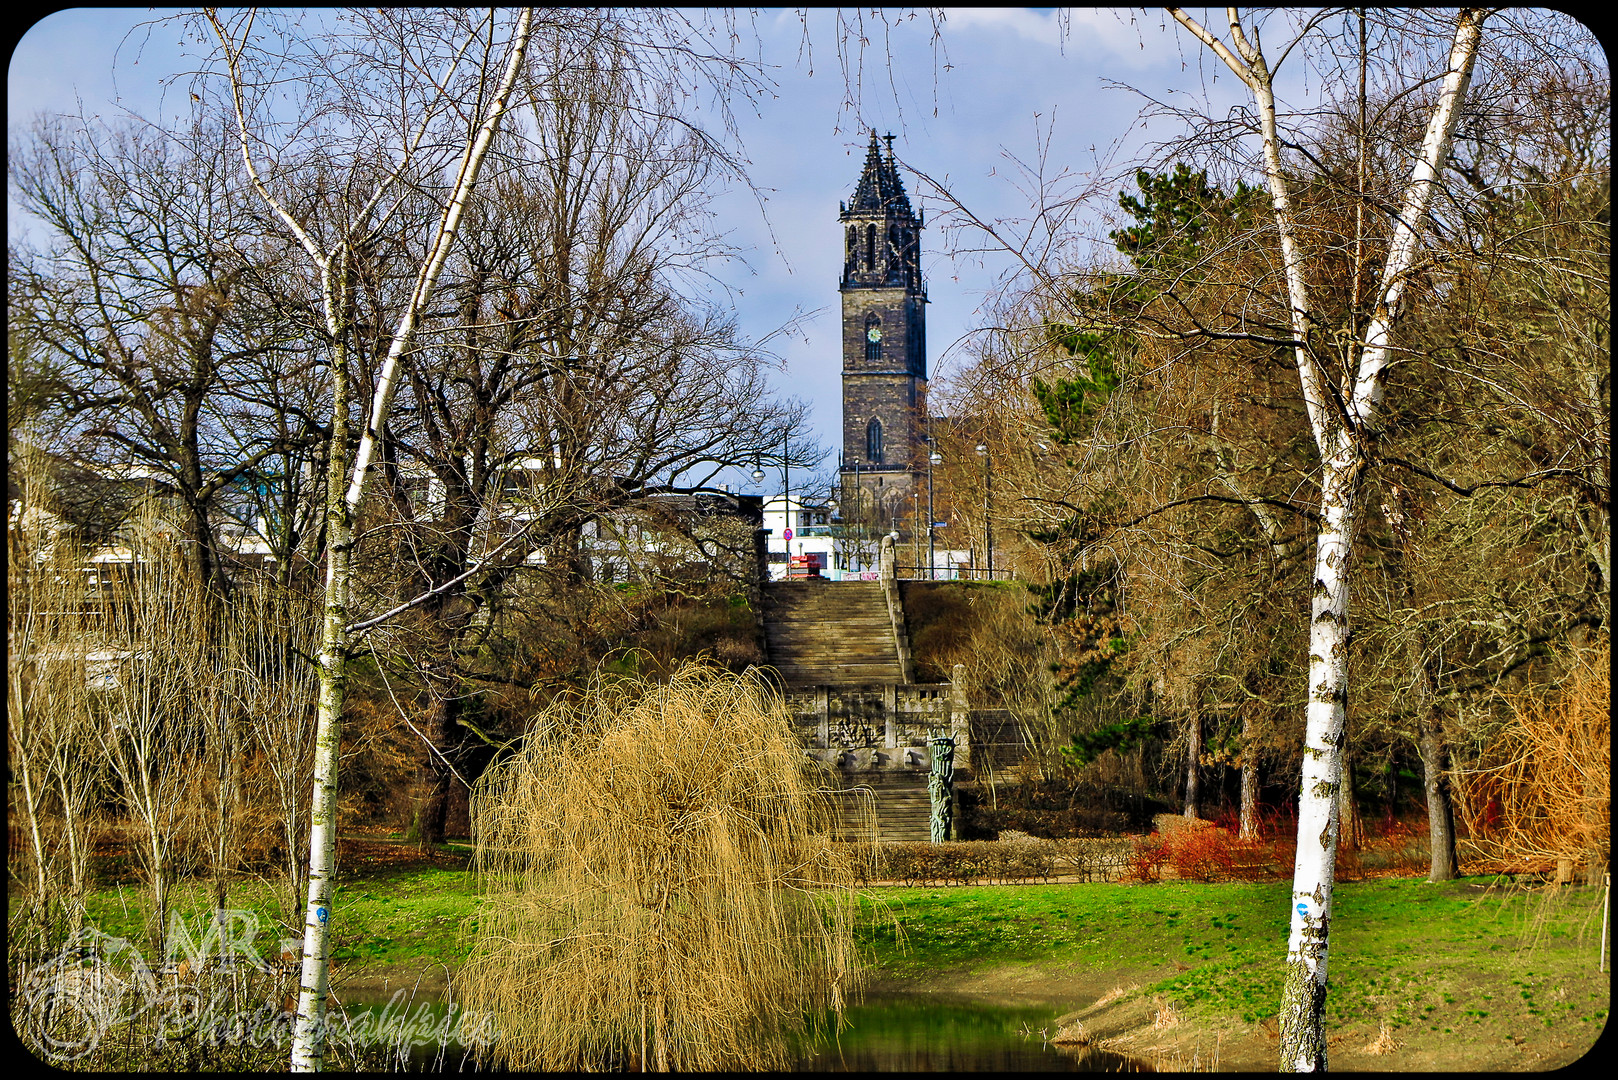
column 812, row 539
column 831, row 549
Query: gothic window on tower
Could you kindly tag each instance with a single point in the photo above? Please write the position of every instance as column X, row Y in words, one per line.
column 853, row 248
column 873, row 338
column 873, row 441
column 870, row 247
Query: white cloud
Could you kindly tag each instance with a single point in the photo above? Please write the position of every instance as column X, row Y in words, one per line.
column 1116, row 37
column 1036, row 26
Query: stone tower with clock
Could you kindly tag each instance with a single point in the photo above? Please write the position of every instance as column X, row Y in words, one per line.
column 884, row 340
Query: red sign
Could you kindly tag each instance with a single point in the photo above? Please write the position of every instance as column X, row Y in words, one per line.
column 787, row 535
column 806, row 566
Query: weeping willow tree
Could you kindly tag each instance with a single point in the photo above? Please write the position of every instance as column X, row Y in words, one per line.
column 661, row 884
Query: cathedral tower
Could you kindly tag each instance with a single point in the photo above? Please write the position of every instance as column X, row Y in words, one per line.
column 884, row 336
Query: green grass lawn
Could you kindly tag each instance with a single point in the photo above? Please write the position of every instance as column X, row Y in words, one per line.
column 414, row 917
column 1403, row 951
column 1399, row 947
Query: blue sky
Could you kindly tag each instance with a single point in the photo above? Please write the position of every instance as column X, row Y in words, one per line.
column 1000, row 82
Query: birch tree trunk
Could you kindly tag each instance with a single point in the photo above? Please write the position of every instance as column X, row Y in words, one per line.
column 1340, row 417
column 309, row 1035
column 342, row 506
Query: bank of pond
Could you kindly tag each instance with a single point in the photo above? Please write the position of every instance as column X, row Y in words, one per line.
column 882, row 1032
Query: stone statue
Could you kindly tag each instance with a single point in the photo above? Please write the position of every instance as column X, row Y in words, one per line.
column 940, row 787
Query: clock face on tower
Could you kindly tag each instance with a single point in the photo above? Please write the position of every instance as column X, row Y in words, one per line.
column 873, row 335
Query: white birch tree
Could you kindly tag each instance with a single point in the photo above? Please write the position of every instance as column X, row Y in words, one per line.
column 1343, row 411
column 450, row 77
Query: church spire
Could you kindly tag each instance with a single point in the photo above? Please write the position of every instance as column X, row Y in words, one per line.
column 883, row 246
column 880, row 190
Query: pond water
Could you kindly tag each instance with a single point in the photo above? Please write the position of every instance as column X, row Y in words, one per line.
column 884, row 1033
column 950, row 1033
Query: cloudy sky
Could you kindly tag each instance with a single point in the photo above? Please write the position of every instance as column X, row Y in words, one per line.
column 970, row 110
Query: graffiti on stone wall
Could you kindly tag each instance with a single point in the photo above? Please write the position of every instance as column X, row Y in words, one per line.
column 855, row 720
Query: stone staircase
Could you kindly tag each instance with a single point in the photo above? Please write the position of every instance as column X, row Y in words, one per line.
column 824, row 633
column 903, row 812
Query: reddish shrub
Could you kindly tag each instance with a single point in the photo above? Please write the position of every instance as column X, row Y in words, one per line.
column 1202, row 853
column 1147, row 858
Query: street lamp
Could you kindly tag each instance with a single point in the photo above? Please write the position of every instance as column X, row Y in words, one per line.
column 933, row 458
column 988, row 521
column 857, row 521
column 786, row 496
column 758, row 478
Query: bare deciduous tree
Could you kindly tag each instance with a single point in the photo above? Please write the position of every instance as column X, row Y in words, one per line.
column 145, row 304
column 567, row 374
column 155, row 624
column 52, row 742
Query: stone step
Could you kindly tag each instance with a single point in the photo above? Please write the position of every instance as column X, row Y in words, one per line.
column 839, row 631
column 878, row 622
column 826, row 675
column 829, row 633
column 903, row 812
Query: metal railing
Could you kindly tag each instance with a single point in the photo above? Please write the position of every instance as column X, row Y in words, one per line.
column 953, row 572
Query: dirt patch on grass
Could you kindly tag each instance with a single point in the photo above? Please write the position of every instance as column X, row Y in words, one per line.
column 365, row 857
column 1110, row 1010
column 382, row 979
column 1114, row 1013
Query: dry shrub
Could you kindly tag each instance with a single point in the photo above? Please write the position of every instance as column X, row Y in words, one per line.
column 1071, row 1033
column 1203, row 854
column 1384, row 1043
column 661, row 883
column 56, row 775
column 1164, row 1014
column 1543, row 790
column 1093, row 858
column 1401, row 846
column 968, row 862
